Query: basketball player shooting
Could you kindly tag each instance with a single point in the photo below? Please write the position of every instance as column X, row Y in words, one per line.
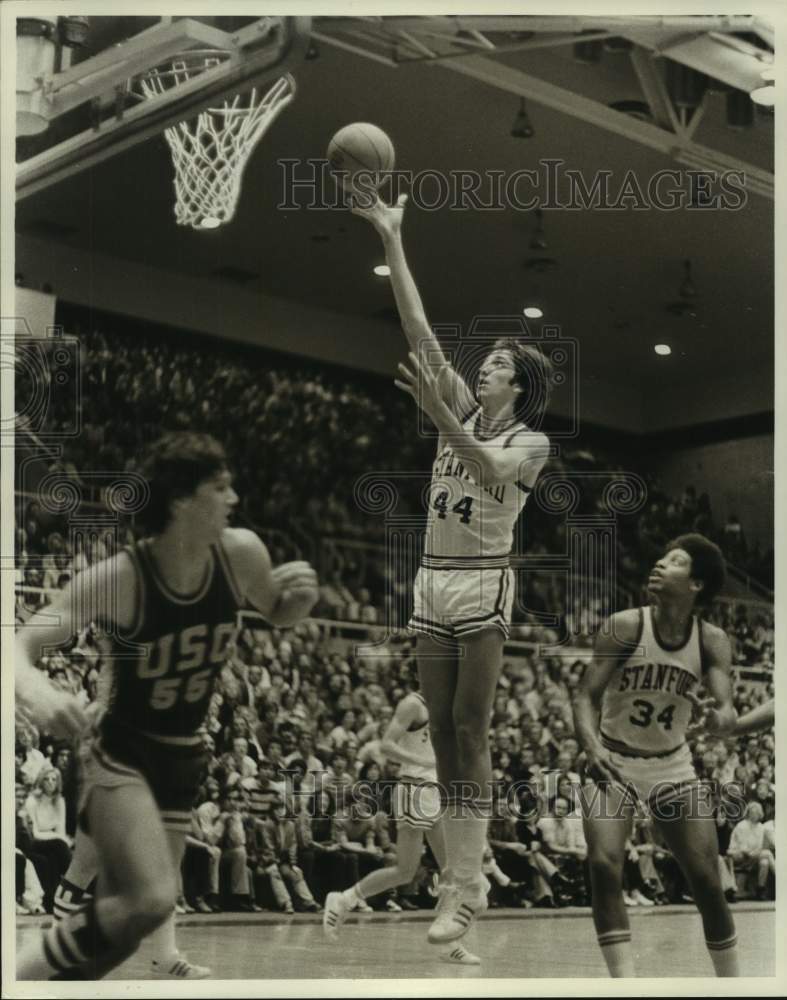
column 488, row 460
column 631, row 715
column 167, row 607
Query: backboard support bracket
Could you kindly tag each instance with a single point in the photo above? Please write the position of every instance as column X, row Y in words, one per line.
column 253, row 62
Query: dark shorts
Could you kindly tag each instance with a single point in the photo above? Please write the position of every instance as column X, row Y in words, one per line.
column 118, row 755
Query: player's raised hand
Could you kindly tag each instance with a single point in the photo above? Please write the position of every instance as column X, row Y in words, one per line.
column 296, row 580
column 708, row 719
column 60, row 714
column 386, row 219
column 425, row 384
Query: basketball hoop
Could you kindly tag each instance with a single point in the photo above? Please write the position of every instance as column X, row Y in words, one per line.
column 210, row 152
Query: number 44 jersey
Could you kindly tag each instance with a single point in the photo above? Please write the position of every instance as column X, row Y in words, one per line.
column 471, row 526
column 646, row 708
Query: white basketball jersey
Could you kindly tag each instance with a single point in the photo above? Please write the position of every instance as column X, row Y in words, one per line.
column 645, row 709
column 416, row 740
column 469, row 526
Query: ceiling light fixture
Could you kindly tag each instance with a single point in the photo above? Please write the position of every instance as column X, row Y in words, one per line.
column 382, row 270
column 765, row 95
column 522, row 127
column 662, row 349
column 539, row 240
column 533, row 312
column 687, row 289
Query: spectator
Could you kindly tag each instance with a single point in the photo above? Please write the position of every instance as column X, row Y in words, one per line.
column 278, row 856
column 335, row 869
column 32, row 758
column 234, row 854
column 565, row 846
column 32, row 868
column 750, row 849
column 46, row 810
column 244, row 764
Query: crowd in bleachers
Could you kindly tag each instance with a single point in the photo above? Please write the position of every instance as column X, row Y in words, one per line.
column 296, row 799
column 288, row 425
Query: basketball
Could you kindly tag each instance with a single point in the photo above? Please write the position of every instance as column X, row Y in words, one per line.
column 361, row 147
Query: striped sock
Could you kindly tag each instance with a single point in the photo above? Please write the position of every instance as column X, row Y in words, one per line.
column 69, row 898
column 616, row 949
column 724, row 955
column 77, row 944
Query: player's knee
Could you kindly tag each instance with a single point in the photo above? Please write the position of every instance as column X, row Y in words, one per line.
column 766, row 856
column 705, row 882
column 606, row 869
column 148, row 907
column 470, row 732
column 441, row 729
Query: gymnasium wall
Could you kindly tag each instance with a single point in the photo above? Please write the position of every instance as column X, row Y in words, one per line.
column 232, row 312
column 213, row 307
column 748, row 492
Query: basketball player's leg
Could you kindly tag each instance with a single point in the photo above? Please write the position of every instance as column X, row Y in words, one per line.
column 469, row 803
column 437, row 677
column 691, row 836
column 409, row 848
column 435, row 837
column 166, row 959
column 74, row 888
column 479, row 665
column 607, row 820
column 136, row 889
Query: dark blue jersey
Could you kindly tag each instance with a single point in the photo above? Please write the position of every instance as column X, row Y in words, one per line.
column 159, row 675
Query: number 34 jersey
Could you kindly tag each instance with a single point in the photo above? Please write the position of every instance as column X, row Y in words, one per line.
column 646, row 708
column 470, row 526
column 159, row 676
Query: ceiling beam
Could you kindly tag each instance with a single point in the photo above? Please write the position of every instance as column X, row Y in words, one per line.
column 654, row 89
column 563, row 23
column 678, row 147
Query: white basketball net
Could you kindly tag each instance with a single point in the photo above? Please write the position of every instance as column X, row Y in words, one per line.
column 210, row 152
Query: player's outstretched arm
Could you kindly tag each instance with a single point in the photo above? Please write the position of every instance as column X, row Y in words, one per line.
column 404, row 716
column 106, row 592
column 612, row 646
column 761, row 717
column 284, row 595
column 387, row 220
column 522, row 461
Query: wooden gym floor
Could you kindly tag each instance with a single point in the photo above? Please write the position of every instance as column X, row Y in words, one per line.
column 512, row 943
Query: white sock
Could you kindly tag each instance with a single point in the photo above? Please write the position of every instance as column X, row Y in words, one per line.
column 616, row 949
column 465, row 826
column 352, row 897
column 162, row 941
column 724, row 955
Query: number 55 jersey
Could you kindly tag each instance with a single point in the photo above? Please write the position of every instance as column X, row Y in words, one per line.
column 155, row 687
column 646, row 709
